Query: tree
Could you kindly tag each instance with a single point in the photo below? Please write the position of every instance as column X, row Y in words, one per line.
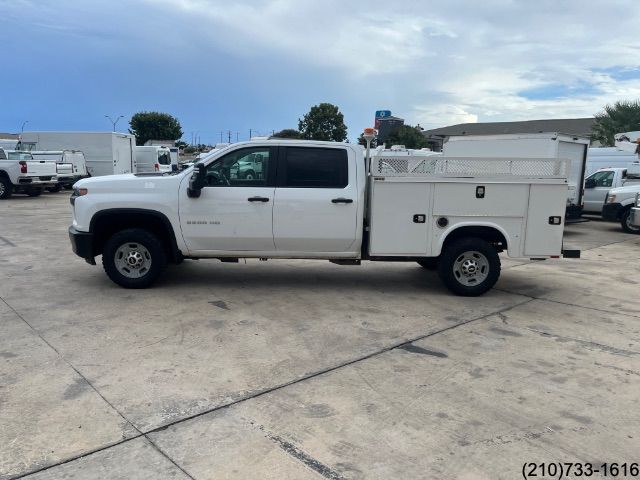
column 287, row 133
column 622, row 116
column 410, row 137
column 323, row 122
column 154, row 126
column 181, row 144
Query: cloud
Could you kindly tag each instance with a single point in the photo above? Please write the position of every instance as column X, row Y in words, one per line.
column 436, row 63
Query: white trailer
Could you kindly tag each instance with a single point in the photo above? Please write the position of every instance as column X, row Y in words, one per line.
column 535, row 145
column 106, row 153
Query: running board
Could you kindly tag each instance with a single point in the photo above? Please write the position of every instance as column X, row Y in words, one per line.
column 345, row 261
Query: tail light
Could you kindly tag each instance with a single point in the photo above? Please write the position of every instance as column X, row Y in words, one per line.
column 23, row 166
column 157, row 167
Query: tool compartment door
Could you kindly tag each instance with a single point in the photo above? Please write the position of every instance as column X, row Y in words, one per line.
column 543, row 238
column 400, row 218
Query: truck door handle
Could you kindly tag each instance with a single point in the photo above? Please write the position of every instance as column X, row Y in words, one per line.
column 258, row 199
column 342, row 200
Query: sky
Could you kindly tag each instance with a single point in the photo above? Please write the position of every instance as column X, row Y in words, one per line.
column 244, row 65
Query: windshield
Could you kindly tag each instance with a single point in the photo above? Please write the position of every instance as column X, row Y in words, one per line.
column 19, row 156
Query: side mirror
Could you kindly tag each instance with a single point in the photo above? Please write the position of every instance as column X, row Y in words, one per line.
column 590, row 183
column 197, row 180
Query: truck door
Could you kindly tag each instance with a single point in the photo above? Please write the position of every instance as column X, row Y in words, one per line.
column 233, row 212
column 316, row 200
column 596, row 188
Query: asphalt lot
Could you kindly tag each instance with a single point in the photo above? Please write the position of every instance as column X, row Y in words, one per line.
column 305, row 369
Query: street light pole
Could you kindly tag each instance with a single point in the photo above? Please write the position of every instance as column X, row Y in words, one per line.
column 114, row 122
column 23, row 124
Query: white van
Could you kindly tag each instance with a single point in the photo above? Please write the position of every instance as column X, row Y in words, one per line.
column 599, row 158
column 154, row 158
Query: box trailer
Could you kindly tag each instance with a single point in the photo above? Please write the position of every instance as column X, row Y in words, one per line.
column 106, row 153
column 535, row 145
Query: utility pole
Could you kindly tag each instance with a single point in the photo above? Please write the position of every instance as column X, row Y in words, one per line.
column 229, row 133
column 250, row 134
column 114, row 122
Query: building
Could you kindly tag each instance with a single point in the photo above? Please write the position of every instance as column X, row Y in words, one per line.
column 385, row 126
column 573, row 126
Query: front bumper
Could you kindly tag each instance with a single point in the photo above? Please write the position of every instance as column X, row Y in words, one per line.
column 82, row 244
column 635, row 217
column 612, row 212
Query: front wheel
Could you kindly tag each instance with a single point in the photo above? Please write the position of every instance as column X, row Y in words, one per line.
column 134, row 258
column 625, row 222
column 469, row 267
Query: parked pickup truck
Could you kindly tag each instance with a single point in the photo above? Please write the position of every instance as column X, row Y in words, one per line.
column 20, row 173
column 598, row 184
column 70, row 165
column 619, row 201
column 322, row 200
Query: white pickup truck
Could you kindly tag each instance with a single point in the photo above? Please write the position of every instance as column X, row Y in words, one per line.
column 324, row 200
column 619, row 201
column 70, row 165
column 598, row 184
column 20, row 173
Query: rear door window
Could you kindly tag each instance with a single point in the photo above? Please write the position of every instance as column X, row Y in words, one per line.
column 309, row 167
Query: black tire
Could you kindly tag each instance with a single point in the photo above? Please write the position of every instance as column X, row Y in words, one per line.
column 473, row 255
column 430, row 263
column 34, row 192
column 250, row 175
column 6, row 188
column 126, row 239
column 626, row 224
column 68, row 186
column 55, row 189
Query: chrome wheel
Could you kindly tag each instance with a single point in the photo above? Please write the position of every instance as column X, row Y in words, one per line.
column 2, row 189
column 132, row 260
column 471, row 268
column 627, row 221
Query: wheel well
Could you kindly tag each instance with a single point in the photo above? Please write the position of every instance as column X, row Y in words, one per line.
column 3, row 174
column 490, row 234
column 105, row 224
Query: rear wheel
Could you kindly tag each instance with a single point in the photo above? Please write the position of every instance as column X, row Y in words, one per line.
column 625, row 221
column 6, row 189
column 68, row 186
column 34, row 192
column 469, row 267
column 134, row 258
column 55, row 189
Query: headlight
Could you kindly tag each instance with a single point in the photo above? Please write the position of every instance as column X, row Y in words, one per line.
column 611, row 198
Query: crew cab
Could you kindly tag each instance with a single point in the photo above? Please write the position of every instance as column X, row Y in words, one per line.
column 20, row 173
column 325, row 200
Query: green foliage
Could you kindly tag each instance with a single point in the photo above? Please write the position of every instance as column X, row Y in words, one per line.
column 154, row 126
column 622, row 116
column 181, row 144
column 287, row 133
column 323, row 122
column 363, row 142
column 410, row 137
